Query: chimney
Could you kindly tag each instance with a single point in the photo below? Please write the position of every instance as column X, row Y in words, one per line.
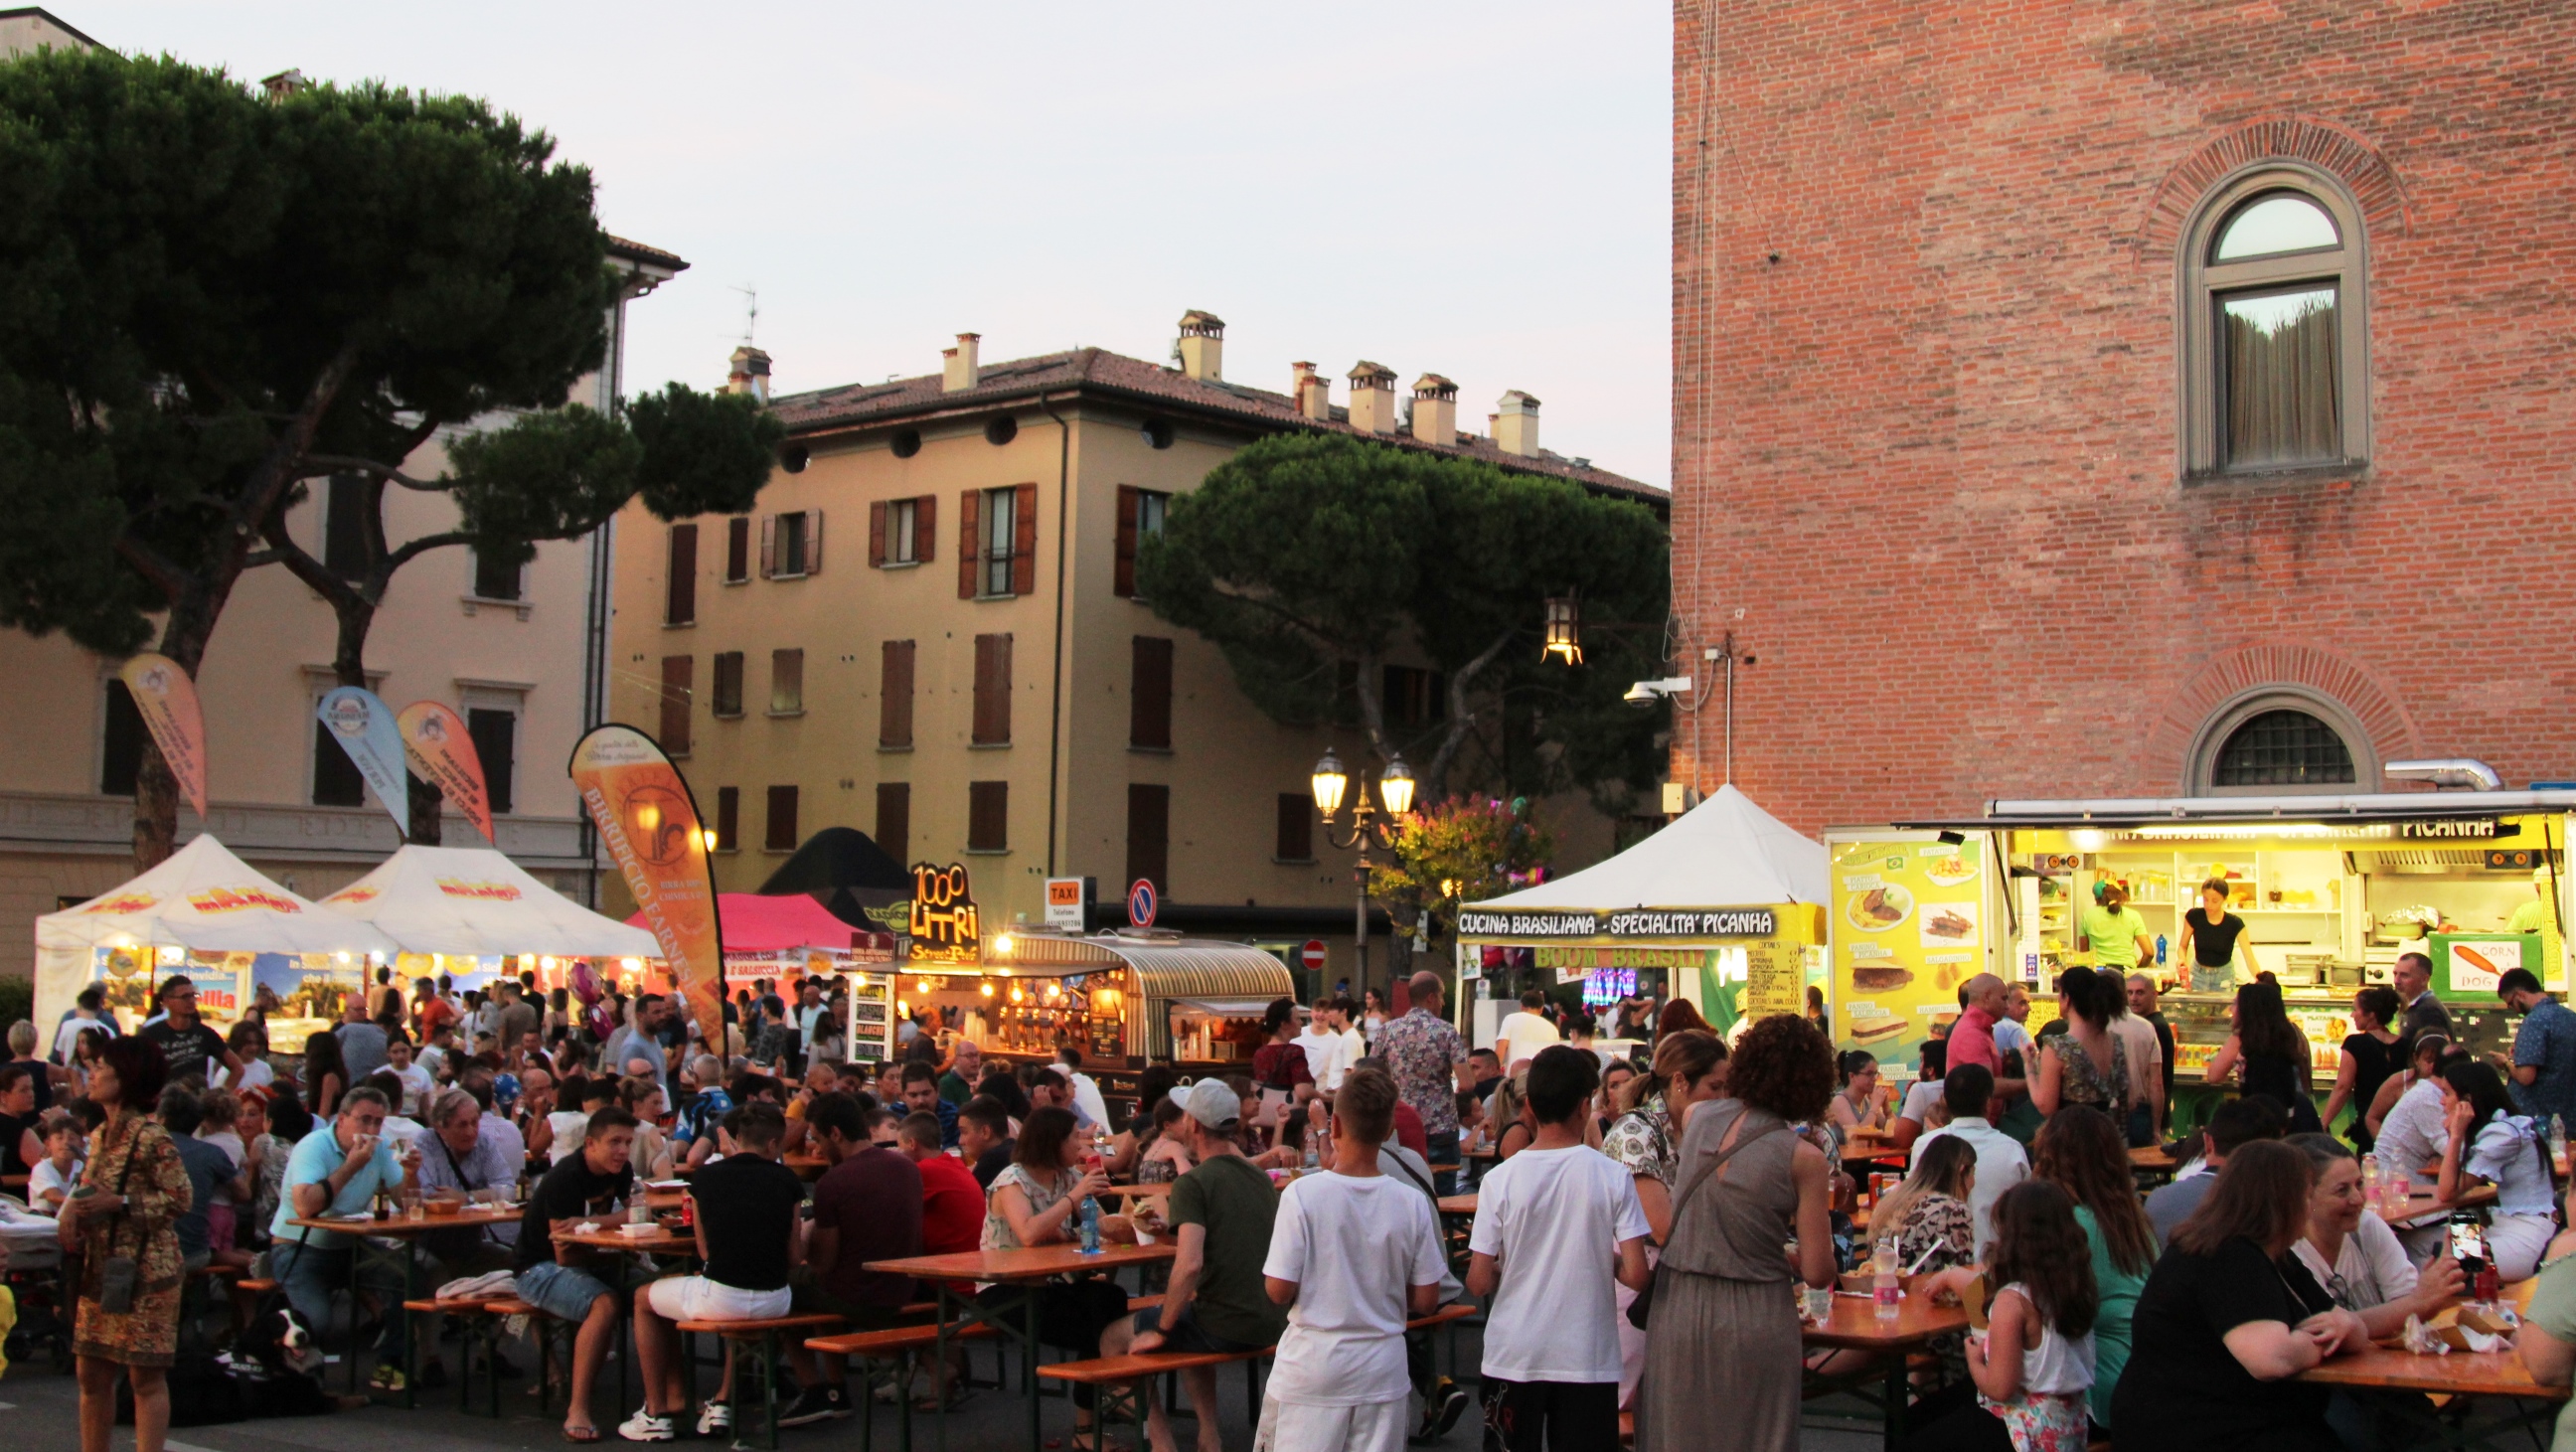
column 1311, row 392
column 1372, row 397
column 1202, row 347
column 1516, row 426
column 750, row 373
column 958, row 369
column 1435, row 410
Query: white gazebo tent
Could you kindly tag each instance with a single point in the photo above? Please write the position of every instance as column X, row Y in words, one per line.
column 1695, row 892
column 473, row 902
column 202, row 899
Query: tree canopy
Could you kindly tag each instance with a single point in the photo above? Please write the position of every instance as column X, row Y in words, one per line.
column 209, row 297
column 1315, row 561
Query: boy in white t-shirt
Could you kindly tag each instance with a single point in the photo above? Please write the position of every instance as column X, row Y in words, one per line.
column 1555, row 1224
column 416, row 1080
column 1353, row 1254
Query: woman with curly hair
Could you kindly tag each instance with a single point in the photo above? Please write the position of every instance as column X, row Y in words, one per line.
column 127, row 1212
column 1724, row 1328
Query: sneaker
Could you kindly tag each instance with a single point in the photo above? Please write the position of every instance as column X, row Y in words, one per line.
column 646, row 1427
column 817, row 1404
column 1446, row 1404
column 713, row 1418
column 387, row 1378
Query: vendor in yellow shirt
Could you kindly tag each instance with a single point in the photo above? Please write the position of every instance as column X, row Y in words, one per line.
column 2540, row 916
column 2115, row 933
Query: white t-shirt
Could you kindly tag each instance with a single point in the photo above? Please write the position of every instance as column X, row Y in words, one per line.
column 2415, row 1132
column 417, row 1083
column 1353, row 1244
column 570, row 1125
column 2001, row 1164
column 255, row 1074
column 1354, row 1048
column 1323, row 1055
column 2372, row 1263
column 70, row 1030
column 1086, row 1098
column 1920, row 1096
column 45, row 1177
column 1521, row 1035
column 1554, row 1219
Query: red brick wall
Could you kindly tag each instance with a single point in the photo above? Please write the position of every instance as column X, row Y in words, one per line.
column 1925, row 464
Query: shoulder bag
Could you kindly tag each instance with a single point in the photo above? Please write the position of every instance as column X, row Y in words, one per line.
column 1642, row 1307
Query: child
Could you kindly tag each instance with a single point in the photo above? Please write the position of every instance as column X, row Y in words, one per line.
column 221, row 1128
column 50, row 1181
column 1352, row 1254
column 1543, row 1218
column 2034, row 1364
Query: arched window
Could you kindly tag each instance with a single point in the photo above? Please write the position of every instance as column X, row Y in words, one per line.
column 2283, row 748
column 2275, row 348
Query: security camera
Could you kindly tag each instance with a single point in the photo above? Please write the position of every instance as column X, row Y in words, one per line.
column 1641, row 695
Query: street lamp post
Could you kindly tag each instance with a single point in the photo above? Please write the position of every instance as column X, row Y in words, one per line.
column 1330, row 783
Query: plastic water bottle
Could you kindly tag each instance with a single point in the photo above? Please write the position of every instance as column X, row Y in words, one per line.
column 1090, row 1226
column 2160, row 950
column 2557, row 1140
column 1883, row 1290
column 2370, row 1179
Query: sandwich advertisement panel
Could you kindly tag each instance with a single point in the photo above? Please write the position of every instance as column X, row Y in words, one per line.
column 1909, row 925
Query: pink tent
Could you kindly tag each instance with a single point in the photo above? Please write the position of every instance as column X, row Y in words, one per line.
column 757, row 924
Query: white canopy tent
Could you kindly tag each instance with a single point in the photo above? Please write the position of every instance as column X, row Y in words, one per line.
column 1724, row 852
column 473, row 902
column 202, row 899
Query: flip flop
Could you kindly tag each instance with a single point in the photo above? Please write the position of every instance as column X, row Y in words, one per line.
column 573, row 1436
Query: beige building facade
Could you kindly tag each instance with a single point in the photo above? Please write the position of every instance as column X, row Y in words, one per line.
column 930, row 632
column 519, row 654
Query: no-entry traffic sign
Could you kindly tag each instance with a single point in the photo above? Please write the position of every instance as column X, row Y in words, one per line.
column 1312, row 955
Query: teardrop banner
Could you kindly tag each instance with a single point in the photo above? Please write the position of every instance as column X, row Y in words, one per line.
column 364, row 726
column 441, row 751
column 649, row 822
column 167, row 700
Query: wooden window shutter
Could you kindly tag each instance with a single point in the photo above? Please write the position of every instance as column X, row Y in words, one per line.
column 992, row 690
column 768, row 546
column 737, row 549
column 925, row 529
column 1296, row 841
column 680, row 605
column 779, row 834
column 1149, row 836
column 894, row 819
column 1124, row 576
column 1024, row 541
column 728, row 818
column 1149, row 693
column 969, row 557
column 679, row 680
column 813, row 541
column 894, row 705
column 876, row 535
column 988, row 816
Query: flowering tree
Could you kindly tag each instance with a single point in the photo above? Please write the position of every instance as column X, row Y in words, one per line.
column 1463, row 850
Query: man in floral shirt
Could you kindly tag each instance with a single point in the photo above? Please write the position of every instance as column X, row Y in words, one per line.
column 1424, row 1053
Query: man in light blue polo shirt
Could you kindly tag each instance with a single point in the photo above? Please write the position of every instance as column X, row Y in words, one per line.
column 337, row 1171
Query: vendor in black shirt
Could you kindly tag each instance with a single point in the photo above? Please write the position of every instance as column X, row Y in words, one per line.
column 187, row 1041
column 2212, row 940
column 2229, row 1318
column 747, row 1204
column 589, row 1186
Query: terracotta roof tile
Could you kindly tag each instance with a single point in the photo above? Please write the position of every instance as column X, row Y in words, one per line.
column 1098, row 370
column 638, row 252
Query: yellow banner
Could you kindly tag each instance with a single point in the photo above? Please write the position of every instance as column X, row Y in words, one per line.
column 1908, row 930
column 436, row 744
column 167, row 699
column 650, row 824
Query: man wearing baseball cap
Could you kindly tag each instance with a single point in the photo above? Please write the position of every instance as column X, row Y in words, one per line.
column 1219, row 1216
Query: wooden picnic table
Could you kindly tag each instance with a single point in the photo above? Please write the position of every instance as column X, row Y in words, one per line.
column 1855, row 1326
column 1457, row 1204
column 609, row 1237
column 1025, row 1269
column 2496, row 1375
column 402, row 1228
column 2422, row 1206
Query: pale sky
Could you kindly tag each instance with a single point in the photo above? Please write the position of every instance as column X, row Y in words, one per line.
column 1479, row 190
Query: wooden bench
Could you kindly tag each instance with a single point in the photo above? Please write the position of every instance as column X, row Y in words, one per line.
column 481, row 1323
column 1143, row 1367
column 544, row 1328
column 761, row 1338
column 899, row 1344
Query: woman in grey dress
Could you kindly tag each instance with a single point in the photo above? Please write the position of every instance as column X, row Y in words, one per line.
column 1722, row 1344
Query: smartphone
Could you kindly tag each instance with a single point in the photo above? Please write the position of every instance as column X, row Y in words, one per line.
column 2468, row 1242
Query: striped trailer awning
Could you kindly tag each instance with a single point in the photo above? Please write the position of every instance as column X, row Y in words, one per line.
column 1159, row 971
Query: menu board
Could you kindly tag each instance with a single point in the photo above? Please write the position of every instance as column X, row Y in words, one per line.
column 1908, row 928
